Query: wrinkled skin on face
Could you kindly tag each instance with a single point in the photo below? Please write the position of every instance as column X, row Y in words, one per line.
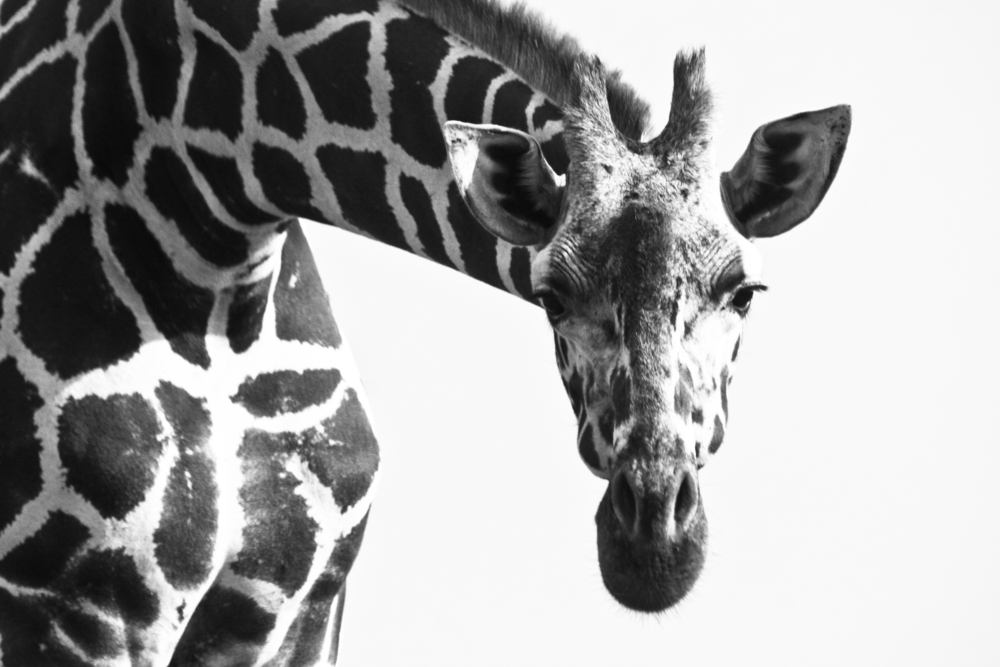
column 645, row 344
column 646, row 271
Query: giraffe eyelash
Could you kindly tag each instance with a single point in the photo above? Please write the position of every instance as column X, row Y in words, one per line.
column 743, row 296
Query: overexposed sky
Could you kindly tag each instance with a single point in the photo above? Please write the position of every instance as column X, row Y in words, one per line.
column 854, row 509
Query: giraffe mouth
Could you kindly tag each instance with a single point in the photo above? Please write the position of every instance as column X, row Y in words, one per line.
column 649, row 561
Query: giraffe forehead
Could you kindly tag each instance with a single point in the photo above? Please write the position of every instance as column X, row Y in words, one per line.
column 656, row 257
column 641, row 222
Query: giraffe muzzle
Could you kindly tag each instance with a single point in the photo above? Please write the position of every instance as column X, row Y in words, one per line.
column 651, row 536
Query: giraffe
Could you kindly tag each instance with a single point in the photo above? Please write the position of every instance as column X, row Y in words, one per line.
column 186, row 457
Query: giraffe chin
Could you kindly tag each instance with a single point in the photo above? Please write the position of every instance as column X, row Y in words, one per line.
column 650, row 572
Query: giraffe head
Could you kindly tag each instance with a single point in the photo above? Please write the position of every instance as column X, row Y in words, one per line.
column 645, row 267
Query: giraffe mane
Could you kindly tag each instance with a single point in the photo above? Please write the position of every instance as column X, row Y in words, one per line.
column 531, row 47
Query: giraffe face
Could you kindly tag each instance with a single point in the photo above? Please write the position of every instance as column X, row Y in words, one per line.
column 645, row 268
column 647, row 306
column 647, row 284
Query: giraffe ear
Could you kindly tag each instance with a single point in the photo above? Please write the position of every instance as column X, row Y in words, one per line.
column 505, row 181
column 785, row 172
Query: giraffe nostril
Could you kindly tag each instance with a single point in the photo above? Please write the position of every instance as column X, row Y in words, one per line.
column 624, row 503
column 686, row 501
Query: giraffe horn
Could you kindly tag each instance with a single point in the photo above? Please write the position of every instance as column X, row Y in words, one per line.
column 592, row 133
column 688, row 128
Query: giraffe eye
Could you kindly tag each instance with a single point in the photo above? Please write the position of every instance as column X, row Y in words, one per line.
column 742, row 299
column 552, row 304
column 744, row 295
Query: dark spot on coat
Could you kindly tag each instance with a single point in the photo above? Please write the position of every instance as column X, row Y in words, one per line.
column 305, row 638
column 111, row 580
column 70, row 315
column 153, row 32
column 279, row 536
column 23, row 41
column 246, row 314
column 510, row 105
column 471, row 78
column 544, row 113
column 39, row 112
column 42, row 557
column 179, row 308
column 282, row 392
column 185, row 536
column 110, row 448
column 301, row 305
column 27, row 636
column 343, row 452
column 301, row 15
column 336, row 70
column 215, row 95
column 110, row 116
column 284, row 181
column 621, row 394
column 26, row 203
column 418, row 203
column 279, row 102
column 223, row 176
column 718, row 434
column 172, row 190
column 359, row 181
column 223, row 620
column 478, row 248
column 416, row 48
column 723, row 390
column 236, row 20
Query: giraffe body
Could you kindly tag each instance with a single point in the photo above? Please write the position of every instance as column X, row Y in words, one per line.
column 186, row 459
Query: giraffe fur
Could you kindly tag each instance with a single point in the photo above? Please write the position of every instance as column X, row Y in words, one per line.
column 186, row 455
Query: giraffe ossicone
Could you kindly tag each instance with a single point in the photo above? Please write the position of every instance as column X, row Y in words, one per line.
column 186, row 459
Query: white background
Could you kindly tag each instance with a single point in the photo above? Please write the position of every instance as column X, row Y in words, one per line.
column 854, row 508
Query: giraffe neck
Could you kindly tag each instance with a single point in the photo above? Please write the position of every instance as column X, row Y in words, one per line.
column 330, row 112
column 348, row 129
column 225, row 123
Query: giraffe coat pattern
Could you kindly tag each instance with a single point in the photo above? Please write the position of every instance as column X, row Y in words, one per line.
column 186, row 457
